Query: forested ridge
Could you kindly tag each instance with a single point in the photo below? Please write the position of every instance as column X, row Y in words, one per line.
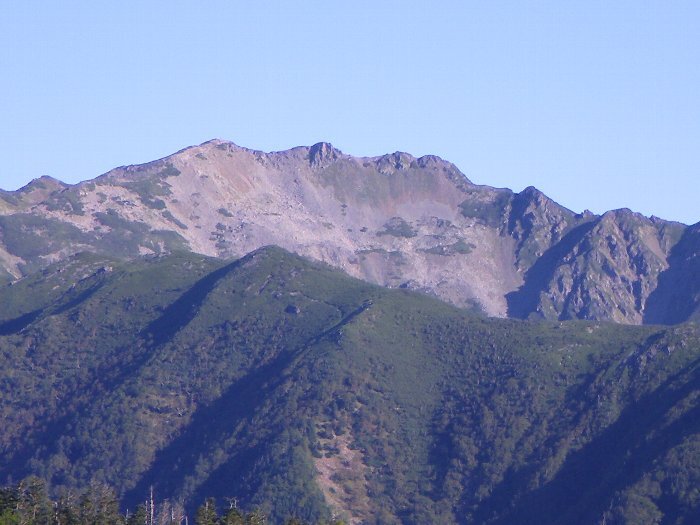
column 305, row 393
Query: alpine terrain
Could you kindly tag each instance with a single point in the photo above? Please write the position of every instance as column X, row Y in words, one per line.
column 393, row 220
column 323, row 338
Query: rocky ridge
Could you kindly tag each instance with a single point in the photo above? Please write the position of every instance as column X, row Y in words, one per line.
column 395, row 220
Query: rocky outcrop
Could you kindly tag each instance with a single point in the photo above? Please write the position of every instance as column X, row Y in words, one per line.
column 603, row 268
column 677, row 295
column 395, row 220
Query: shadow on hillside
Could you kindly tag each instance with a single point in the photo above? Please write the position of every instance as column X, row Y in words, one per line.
column 584, row 486
column 71, row 298
column 673, row 300
column 107, row 377
column 212, row 425
column 209, row 427
column 68, row 300
column 185, row 308
column 16, row 325
column 524, row 301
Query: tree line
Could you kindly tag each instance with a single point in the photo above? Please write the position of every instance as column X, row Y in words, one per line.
column 28, row 503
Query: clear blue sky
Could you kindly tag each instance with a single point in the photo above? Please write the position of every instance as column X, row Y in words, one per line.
column 596, row 103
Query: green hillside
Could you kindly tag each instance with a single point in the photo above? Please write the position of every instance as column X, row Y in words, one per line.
column 304, row 392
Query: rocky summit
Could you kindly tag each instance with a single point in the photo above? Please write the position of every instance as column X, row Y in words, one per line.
column 394, row 220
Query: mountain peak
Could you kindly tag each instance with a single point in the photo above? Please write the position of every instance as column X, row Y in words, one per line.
column 323, row 153
column 397, row 161
column 45, row 182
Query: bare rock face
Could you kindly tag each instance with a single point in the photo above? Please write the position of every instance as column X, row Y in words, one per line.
column 602, row 268
column 323, row 154
column 677, row 296
column 394, row 220
column 537, row 223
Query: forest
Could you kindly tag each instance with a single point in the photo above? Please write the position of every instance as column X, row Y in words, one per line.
column 28, row 503
column 309, row 395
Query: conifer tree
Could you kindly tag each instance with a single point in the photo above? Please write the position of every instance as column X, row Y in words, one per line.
column 233, row 517
column 139, row 517
column 206, row 514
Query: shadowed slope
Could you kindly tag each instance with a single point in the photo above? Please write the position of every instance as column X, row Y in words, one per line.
column 677, row 296
column 538, row 279
column 291, row 386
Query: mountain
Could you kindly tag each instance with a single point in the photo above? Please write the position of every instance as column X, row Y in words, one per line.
column 293, row 387
column 677, row 296
column 393, row 220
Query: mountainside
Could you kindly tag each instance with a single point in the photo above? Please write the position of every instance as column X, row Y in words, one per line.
column 293, row 387
column 394, row 220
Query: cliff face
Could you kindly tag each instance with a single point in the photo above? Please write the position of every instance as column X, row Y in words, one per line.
column 395, row 220
column 677, row 296
column 602, row 268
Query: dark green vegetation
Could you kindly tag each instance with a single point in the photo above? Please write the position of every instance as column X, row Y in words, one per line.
column 303, row 392
column 398, row 227
column 30, row 237
column 68, row 201
column 491, row 212
column 450, row 249
column 33, row 237
column 152, row 184
column 28, row 503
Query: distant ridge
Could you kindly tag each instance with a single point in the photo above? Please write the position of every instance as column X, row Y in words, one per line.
column 394, row 220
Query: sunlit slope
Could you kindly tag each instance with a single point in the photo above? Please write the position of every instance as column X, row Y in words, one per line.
column 291, row 386
column 394, row 220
